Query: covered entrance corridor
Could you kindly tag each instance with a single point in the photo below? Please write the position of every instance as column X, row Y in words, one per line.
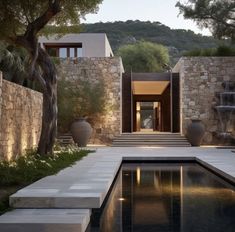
column 150, row 102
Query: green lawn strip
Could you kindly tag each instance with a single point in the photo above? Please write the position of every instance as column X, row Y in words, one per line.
column 27, row 169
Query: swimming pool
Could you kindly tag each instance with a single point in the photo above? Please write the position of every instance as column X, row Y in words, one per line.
column 167, row 197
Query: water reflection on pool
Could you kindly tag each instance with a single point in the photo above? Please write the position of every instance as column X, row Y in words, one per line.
column 168, row 198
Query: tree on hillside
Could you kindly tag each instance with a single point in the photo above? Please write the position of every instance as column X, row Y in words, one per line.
column 21, row 22
column 216, row 15
column 144, row 57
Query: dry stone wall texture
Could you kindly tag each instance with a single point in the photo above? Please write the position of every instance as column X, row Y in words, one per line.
column 201, row 78
column 20, row 119
column 109, row 71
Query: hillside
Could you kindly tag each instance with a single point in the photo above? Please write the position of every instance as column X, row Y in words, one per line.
column 177, row 40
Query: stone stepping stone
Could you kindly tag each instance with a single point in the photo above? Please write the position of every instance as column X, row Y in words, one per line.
column 45, row 220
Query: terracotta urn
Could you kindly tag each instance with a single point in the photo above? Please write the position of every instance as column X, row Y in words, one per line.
column 195, row 132
column 81, row 132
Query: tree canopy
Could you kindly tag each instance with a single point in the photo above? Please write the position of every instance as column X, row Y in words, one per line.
column 21, row 22
column 217, row 15
column 18, row 16
column 144, row 57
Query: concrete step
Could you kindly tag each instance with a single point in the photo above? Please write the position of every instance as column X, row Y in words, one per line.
column 146, row 138
column 158, row 139
column 151, row 139
column 143, row 135
column 65, row 139
column 151, row 133
column 153, row 145
column 44, row 220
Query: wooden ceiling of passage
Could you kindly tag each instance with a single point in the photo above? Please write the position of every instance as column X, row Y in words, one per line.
column 149, row 87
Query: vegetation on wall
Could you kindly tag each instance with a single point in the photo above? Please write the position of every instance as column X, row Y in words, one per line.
column 79, row 98
column 220, row 51
column 144, row 57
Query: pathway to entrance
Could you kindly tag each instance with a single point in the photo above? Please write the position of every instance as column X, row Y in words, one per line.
column 63, row 202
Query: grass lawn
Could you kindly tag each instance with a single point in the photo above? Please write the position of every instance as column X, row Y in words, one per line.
column 27, row 169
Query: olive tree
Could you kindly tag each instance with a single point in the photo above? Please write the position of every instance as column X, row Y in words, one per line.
column 21, row 22
column 217, row 15
column 144, row 57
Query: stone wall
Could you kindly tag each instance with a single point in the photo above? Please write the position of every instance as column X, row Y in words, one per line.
column 20, row 119
column 109, row 70
column 201, row 78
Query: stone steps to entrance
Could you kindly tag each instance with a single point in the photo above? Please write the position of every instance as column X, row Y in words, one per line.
column 158, row 139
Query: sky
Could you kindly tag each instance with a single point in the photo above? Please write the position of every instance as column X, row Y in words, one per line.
column 163, row 11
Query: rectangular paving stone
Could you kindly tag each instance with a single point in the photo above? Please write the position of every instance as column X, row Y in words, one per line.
column 45, row 220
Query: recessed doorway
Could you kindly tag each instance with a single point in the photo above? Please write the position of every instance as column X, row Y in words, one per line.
column 148, row 116
column 150, row 102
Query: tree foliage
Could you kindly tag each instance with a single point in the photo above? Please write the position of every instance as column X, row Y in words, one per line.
column 217, row 15
column 21, row 21
column 144, row 57
column 16, row 16
column 13, row 64
column 220, row 51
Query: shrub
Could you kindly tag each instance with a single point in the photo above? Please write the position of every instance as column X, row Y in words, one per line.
column 144, row 57
column 79, row 98
column 220, row 51
column 31, row 167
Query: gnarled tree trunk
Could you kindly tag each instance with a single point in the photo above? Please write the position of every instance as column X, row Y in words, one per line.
column 49, row 118
column 43, row 70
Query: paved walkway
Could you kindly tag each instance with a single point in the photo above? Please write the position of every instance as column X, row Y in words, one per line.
column 78, row 189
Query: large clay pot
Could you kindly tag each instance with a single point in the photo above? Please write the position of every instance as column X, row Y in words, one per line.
column 195, row 132
column 81, row 132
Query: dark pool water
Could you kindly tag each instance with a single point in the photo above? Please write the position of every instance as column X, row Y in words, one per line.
column 168, row 198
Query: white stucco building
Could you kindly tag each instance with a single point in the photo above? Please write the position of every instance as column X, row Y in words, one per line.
column 77, row 45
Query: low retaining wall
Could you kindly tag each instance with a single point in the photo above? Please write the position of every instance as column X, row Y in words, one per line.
column 20, row 118
column 201, row 78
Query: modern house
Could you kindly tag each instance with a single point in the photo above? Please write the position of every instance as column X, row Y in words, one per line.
column 145, row 102
column 77, row 45
column 137, row 103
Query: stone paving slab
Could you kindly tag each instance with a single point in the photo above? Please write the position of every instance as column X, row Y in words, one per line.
column 86, row 184
column 59, row 191
column 45, row 220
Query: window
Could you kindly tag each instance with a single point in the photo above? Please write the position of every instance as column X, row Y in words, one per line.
column 79, row 52
column 63, row 52
column 70, row 50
